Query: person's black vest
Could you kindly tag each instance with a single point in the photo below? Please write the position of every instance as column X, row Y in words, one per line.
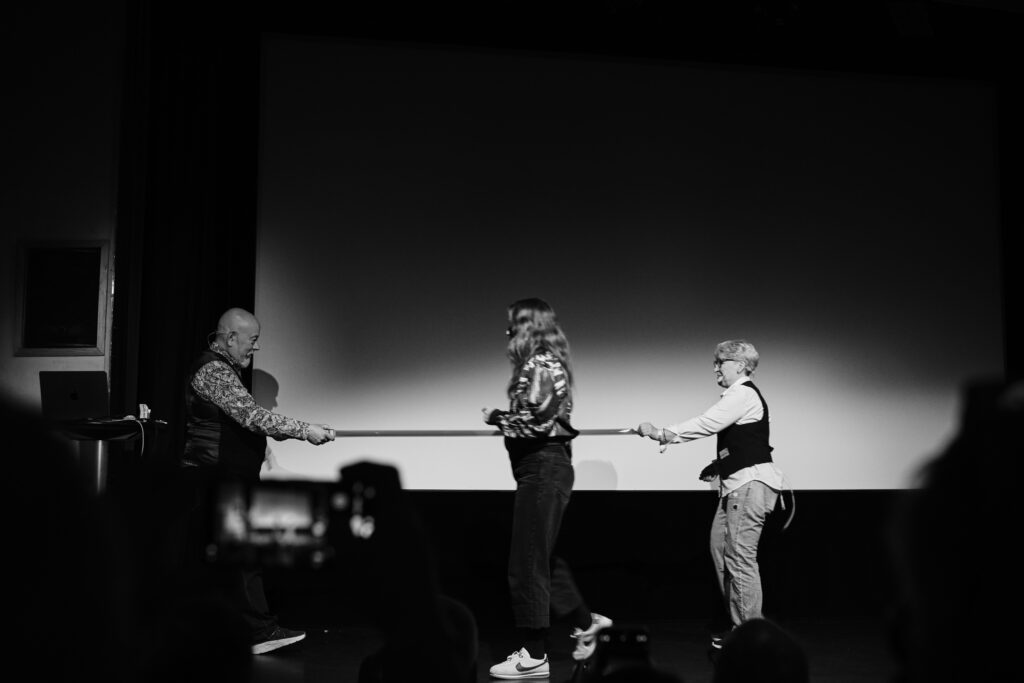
column 744, row 445
column 213, row 439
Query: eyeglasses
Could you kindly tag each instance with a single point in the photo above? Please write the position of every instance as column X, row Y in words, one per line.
column 718, row 361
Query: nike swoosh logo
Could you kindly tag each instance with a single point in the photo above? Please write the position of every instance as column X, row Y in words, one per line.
column 520, row 668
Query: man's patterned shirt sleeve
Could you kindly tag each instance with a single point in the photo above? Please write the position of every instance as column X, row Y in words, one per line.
column 218, row 383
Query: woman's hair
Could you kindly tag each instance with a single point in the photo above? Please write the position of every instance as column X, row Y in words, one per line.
column 533, row 328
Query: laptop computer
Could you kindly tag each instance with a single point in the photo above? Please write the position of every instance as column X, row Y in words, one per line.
column 74, row 394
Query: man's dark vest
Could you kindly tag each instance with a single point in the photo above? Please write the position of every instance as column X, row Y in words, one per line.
column 212, row 438
column 744, row 445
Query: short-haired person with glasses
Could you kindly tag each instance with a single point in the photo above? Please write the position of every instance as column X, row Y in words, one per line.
column 749, row 482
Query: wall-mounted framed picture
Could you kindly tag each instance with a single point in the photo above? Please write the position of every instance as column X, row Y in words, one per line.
column 61, row 307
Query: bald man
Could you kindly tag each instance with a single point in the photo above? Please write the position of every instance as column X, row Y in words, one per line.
column 226, row 439
column 225, row 426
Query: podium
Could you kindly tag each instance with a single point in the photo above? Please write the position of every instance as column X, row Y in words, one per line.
column 93, row 437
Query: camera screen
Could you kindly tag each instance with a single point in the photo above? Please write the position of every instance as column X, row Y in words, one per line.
column 272, row 523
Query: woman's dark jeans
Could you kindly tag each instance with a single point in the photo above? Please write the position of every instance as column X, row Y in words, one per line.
column 540, row 583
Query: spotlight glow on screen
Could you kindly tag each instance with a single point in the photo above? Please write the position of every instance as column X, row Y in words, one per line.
column 847, row 226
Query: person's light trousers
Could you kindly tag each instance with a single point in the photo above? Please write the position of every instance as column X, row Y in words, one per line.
column 735, row 533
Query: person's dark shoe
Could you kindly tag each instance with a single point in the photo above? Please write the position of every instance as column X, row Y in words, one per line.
column 277, row 639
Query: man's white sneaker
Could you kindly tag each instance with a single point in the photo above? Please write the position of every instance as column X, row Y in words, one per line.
column 521, row 665
column 586, row 641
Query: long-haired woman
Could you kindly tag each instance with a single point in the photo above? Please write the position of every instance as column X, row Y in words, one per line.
column 538, row 437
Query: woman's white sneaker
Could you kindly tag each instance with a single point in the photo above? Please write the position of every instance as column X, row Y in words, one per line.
column 586, row 641
column 521, row 665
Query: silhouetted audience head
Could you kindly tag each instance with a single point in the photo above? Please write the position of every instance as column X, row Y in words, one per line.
column 952, row 542
column 639, row 674
column 202, row 639
column 427, row 636
column 760, row 651
column 69, row 602
column 623, row 656
column 450, row 657
column 79, row 604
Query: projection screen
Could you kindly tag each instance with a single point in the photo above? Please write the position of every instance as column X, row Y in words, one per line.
column 847, row 225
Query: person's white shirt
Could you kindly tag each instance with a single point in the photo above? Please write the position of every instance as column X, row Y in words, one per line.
column 739, row 404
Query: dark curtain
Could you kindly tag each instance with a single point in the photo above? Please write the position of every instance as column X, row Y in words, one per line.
column 1011, row 176
column 186, row 232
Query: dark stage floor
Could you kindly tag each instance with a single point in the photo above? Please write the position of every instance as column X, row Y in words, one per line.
column 839, row 651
